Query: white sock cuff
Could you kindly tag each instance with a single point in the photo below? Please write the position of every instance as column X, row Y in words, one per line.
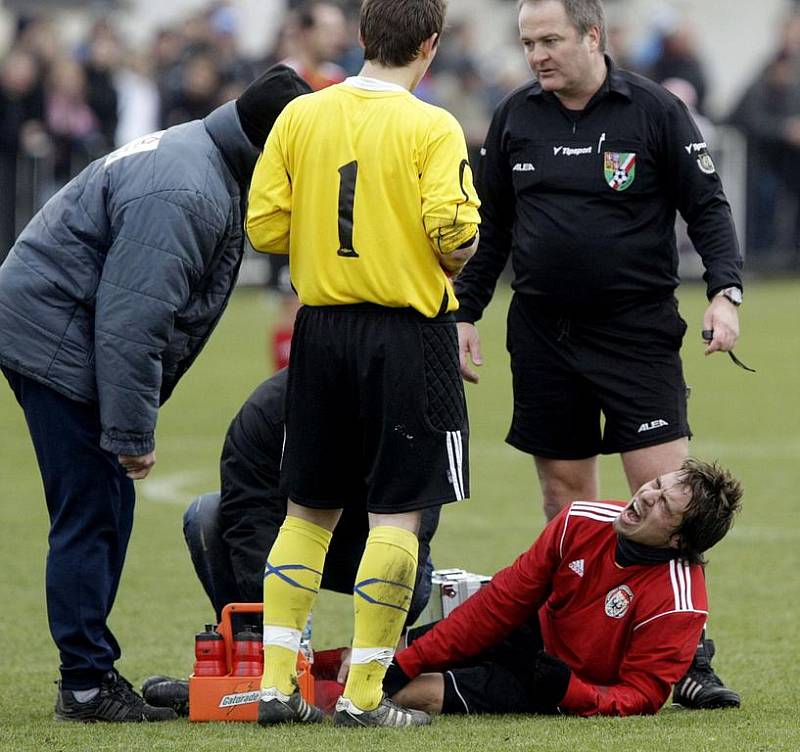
column 282, row 637
column 368, row 655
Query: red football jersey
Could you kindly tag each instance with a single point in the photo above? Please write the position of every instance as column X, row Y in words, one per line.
column 282, row 346
column 627, row 633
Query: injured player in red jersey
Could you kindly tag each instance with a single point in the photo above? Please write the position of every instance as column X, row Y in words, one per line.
column 601, row 616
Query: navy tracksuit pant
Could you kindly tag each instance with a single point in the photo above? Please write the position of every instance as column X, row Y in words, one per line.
column 90, row 502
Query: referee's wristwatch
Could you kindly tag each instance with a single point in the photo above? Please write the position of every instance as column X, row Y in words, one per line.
column 734, row 294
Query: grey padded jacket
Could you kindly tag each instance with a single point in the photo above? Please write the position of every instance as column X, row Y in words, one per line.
column 113, row 288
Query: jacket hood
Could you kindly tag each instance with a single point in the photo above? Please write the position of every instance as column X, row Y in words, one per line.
column 225, row 129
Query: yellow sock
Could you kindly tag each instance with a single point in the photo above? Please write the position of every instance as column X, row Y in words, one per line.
column 381, row 597
column 291, row 581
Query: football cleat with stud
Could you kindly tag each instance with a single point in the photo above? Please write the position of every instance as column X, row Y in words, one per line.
column 387, row 714
column 167, row 692
column 115, row 702
column 276, row 707
column 701, row 688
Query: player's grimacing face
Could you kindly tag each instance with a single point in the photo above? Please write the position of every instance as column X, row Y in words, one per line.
column 656, row 511
column 557, row 54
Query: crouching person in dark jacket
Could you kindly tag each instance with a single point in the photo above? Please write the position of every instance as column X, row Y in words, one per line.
column 106, row 299
column 229, row 534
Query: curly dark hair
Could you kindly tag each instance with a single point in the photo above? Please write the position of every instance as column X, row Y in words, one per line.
column 716, row 499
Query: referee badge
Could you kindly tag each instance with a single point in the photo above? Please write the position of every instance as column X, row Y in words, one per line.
column 617, row 601
column 706, row 164
column 620, row 169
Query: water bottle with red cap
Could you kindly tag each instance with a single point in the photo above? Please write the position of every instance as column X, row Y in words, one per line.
column 248, row 653
column 209, row 653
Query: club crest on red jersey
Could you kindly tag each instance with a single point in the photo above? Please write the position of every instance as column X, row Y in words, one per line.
column 618, row 600
column 619, row 169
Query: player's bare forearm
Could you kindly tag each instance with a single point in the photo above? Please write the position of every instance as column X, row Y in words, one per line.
column 456, row 260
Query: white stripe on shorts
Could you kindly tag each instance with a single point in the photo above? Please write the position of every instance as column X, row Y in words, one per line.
column 457, row 690
column 455, row 455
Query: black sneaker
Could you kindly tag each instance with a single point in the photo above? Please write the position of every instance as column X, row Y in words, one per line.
column 115, row 702
column 167, row 692
column 701, row 688
column 276, row 707
column 387, row 714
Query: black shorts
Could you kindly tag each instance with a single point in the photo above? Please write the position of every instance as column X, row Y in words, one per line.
column 569, row 369
column 375, row 410
column 498, row 680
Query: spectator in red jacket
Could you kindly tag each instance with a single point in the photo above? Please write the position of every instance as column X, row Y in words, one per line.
column 601, row 616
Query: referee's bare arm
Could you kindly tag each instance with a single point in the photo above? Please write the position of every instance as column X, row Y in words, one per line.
column 454, row 261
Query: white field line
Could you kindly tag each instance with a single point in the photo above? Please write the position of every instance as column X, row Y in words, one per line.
column 191, row 442
column 176, row 488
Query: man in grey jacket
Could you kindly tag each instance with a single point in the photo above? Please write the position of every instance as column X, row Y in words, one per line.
column 106, row 299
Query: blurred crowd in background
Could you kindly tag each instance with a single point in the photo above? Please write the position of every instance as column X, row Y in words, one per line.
column 62, row 105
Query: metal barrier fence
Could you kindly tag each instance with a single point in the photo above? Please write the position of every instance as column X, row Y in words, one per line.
column 27, row 182
column 36, row 180
column 731, row 158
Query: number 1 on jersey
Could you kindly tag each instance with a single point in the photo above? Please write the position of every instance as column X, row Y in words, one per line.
column 347, row 195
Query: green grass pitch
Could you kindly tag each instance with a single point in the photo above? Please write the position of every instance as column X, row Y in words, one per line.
column 750, row 422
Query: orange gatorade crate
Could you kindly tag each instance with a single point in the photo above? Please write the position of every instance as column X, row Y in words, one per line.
column 235, row 698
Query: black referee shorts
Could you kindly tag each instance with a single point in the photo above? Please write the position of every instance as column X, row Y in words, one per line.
column 374, row 403
column 569, row 369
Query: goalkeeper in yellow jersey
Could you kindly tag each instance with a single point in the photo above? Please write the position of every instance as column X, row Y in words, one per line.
column 370, row 193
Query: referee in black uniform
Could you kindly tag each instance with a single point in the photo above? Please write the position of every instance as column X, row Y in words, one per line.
column 581, row 176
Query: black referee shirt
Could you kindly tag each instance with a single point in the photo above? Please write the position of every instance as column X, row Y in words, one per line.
column 586, row 201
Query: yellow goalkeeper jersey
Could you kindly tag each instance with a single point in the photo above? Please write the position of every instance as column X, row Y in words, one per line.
column 364, row 185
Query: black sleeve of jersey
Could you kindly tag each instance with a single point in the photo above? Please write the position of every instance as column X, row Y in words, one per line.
column 699, row 197
column 475, row 285
column 252, row 508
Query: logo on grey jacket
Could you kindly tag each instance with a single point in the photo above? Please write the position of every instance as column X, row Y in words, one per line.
column 145, row 143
